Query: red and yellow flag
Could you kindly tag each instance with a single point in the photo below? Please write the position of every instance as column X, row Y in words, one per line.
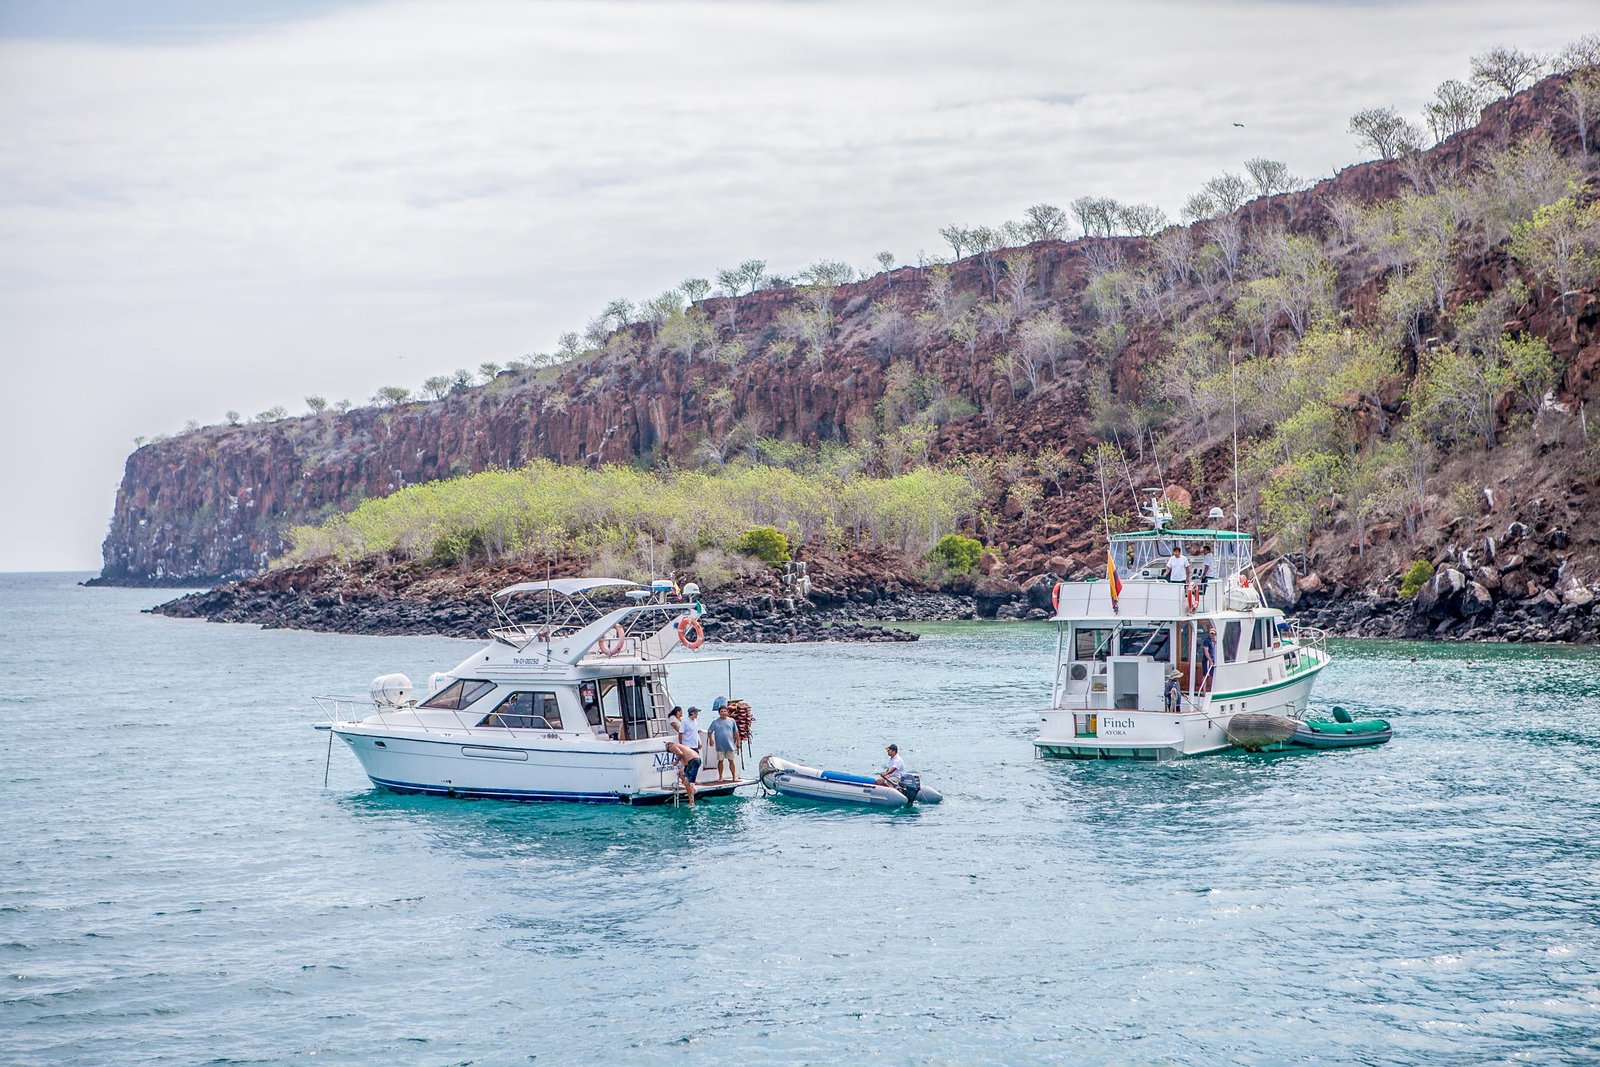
column 1111, row 576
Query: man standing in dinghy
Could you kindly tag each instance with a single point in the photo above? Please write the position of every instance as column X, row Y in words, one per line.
column 890, row 775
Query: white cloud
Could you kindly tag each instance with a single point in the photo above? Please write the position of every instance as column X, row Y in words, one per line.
column 391, row 191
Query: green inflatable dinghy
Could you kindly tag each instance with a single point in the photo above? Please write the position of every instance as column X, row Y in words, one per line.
column 1342, row 731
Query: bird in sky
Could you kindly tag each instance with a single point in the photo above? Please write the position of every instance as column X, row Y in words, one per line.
column 1239, row 124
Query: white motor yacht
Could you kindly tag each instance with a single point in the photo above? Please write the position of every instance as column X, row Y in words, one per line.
column 572, row 707
column 1154, row 669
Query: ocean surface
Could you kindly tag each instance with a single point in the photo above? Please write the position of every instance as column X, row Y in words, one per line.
column 178, row 886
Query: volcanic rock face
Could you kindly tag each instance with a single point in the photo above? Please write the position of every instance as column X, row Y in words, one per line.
column 215, row 503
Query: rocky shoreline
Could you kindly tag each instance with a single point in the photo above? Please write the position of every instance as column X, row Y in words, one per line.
column 1514, row 587
column 759, row 620
column 1451, row 607
column 1512, row 583
column 1455, row 607
column 850, row 607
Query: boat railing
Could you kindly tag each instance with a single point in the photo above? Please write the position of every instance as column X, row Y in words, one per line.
column 1310, row 638
column 520, row 636
column 356, row 709
column 351, row 709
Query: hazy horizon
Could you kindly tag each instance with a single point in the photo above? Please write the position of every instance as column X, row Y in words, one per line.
column 326, row 198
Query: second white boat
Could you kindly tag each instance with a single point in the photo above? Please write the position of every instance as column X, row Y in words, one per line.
column 1154, row 669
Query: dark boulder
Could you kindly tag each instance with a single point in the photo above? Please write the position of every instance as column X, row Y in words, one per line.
column 1441, row 596
column 992, row 593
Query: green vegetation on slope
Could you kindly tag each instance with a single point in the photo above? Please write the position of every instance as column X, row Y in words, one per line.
column 545, row 508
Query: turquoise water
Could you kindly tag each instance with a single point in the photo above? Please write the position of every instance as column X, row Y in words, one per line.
column 177, row 886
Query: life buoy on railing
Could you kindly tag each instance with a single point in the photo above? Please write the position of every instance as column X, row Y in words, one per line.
column 1055, row 598
column 1191, row 597
column 613, row 640
column 1244, row 581
column 691, row 633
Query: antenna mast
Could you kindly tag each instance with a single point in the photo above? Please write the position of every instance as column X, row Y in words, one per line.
column 1233, row 390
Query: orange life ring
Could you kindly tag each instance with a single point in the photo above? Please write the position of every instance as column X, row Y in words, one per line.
column 691, row 633
column 1055, row 598
column 1244, row 581
column 614, row 639
column 1191, row 597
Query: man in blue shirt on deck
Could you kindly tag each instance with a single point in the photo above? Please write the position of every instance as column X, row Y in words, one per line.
column 1208, row 654
column 724, row 735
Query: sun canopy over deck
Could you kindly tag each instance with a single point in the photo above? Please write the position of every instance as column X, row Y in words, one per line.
column 566, row 586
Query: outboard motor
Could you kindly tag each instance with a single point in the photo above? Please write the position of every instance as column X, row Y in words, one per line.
column 910, row 785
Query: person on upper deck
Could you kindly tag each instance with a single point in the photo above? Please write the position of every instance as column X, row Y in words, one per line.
column 1177, row 566
column 1205, row 568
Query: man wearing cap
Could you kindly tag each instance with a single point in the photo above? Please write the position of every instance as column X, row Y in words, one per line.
column 890, row 775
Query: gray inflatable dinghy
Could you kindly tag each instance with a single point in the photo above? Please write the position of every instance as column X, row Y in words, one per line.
column 797, row 780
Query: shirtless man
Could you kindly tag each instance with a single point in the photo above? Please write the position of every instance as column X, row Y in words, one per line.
column 688, row 766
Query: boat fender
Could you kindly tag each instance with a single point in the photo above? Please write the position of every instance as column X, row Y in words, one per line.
column 691, row 633
column 1055, row 598
column 614, row 639
column 910, row 785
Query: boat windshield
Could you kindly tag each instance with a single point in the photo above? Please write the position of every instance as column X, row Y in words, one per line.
column 1152, row 641
column 1091, row 643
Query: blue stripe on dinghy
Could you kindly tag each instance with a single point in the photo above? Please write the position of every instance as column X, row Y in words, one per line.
column 840, row 776
column 495, row 794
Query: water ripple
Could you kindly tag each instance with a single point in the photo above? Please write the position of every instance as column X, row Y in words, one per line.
column 178, row 886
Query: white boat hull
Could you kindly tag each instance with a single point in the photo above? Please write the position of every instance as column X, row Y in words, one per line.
column 1078, row 733
column 501, row 768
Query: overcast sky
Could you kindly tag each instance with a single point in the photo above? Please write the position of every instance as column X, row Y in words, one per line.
column 199, row 214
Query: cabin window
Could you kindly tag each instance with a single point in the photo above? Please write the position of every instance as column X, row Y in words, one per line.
column 627, row 700
column 589, row 697
column 526, row 711
column 1152, row 641
column 459, row 694
column 1090, row 644
column 1259, row 639
column 1232, row 632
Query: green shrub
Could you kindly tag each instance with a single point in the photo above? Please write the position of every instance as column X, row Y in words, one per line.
column 460, row 546
column 959, row 554
column 1416, row 577
column 766, row 543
